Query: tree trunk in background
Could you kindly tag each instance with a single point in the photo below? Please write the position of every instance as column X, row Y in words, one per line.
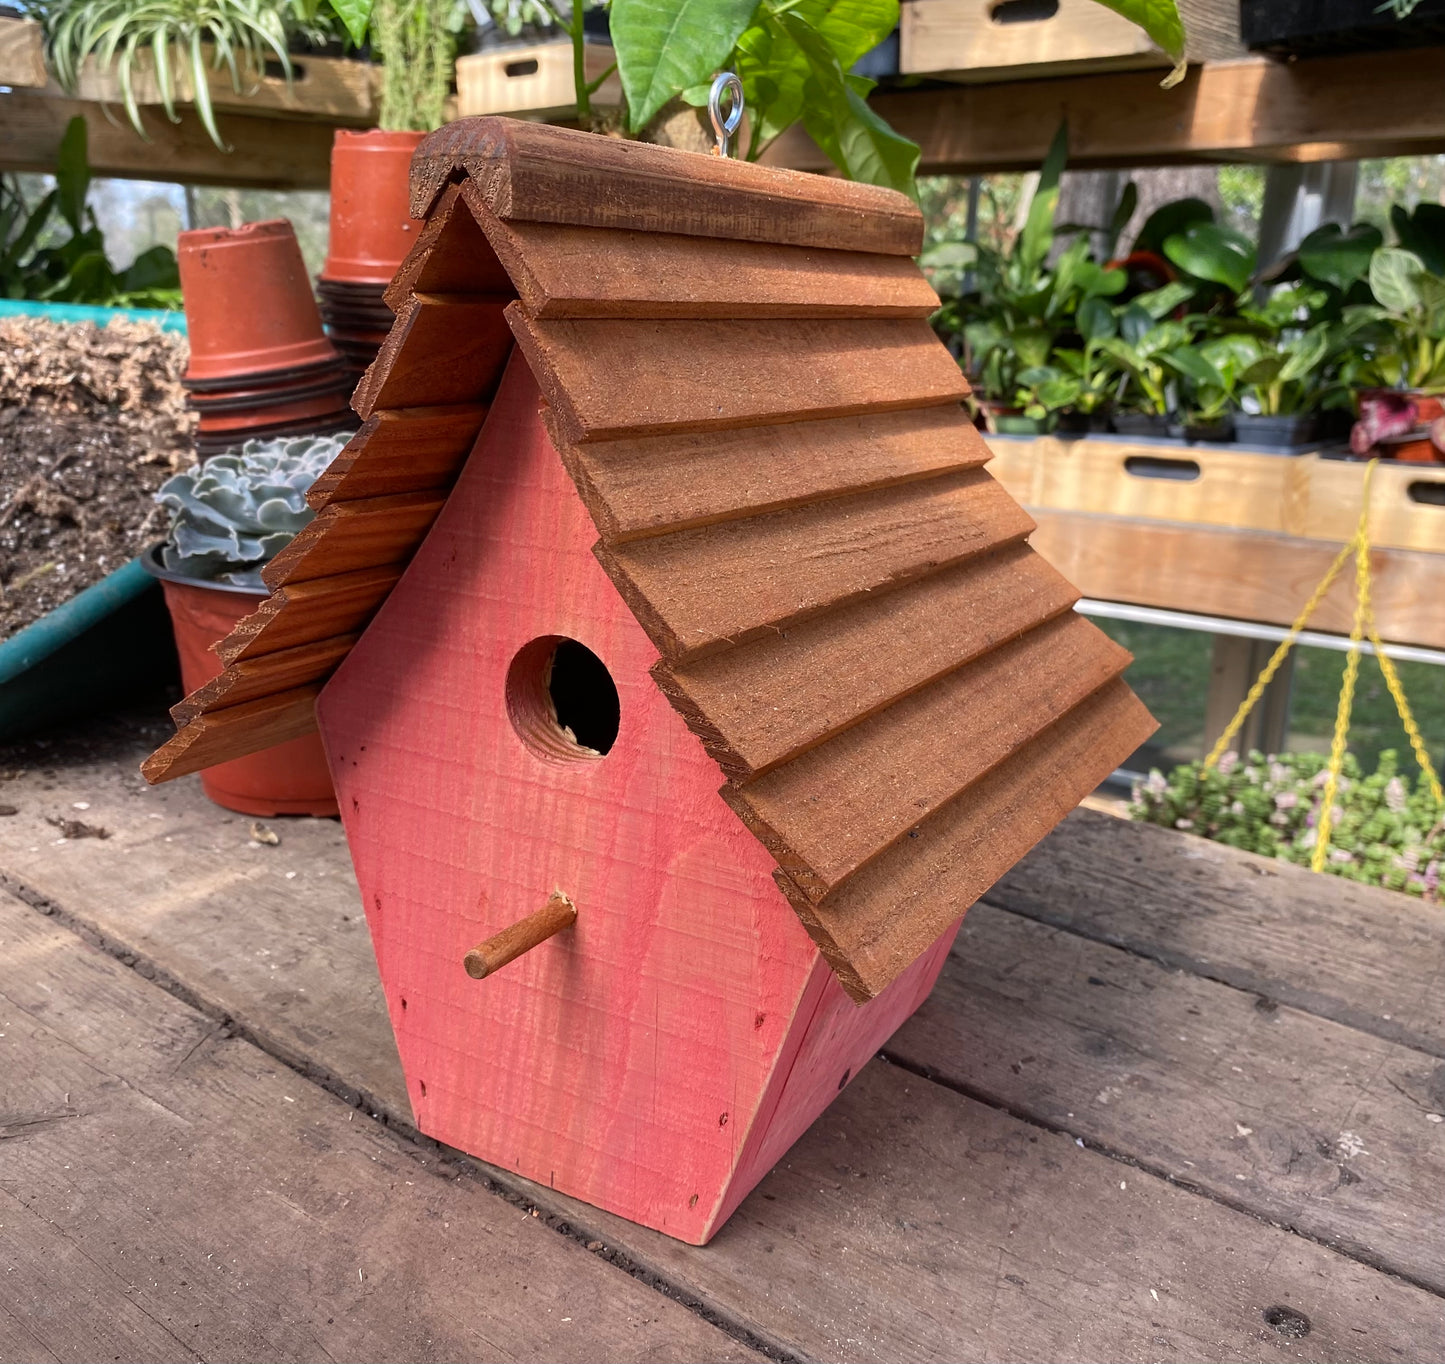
column 1089, row 197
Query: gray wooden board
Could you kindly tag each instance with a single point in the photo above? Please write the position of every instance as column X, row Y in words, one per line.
column 170, row 1192
column 1353, row 953
column 1310, row 1123
column 911, row 1222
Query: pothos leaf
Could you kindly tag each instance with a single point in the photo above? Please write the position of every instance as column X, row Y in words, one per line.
column 356, row 15
column 665, row 46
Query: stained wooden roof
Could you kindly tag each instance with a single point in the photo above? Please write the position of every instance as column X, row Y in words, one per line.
column 742, row 383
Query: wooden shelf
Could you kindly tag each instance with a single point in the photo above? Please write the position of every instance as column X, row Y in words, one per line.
column 1248, row 537
column 1251, row 109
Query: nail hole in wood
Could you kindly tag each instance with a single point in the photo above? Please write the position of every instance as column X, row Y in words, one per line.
column 562, row 701
column 1287, row 1322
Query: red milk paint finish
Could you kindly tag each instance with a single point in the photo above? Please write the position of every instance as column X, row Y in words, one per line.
column 659, row 1056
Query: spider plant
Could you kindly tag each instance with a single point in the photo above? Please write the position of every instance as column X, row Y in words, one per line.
column 169, row 39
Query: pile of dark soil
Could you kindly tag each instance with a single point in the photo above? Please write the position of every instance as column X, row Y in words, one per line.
column 92, row 421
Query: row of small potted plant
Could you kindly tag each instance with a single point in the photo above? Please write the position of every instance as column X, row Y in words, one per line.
column 1183, row 335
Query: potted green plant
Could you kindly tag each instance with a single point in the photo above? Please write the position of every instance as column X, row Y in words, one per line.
column 1209, row 373
column 1145, row 398
column 229, row 518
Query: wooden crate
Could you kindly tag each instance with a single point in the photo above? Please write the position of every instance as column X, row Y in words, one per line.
column 22, row 54
column 536, row 80
column 981, row 40
column 1194, row 483
column 1401, row 516
column 340, row 90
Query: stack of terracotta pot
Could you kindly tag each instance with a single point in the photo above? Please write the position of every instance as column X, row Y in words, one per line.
column 261, row 365
column 371, row 232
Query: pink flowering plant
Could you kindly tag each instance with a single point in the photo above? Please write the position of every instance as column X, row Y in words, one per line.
column 1385, row 833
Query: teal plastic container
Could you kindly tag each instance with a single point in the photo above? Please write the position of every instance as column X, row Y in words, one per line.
column 168, row 320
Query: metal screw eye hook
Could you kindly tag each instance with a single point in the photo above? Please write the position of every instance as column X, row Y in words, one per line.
column 723, row 129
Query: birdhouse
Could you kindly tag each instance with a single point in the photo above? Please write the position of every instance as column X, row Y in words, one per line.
column 683, row 673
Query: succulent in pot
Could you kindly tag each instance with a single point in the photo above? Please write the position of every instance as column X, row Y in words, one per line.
column 233, row 514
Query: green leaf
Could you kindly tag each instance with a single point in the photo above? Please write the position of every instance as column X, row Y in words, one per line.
column 1422, row 232
column 1170, row 219
column 949, row 256
column 853, row 27
column 665, row 46
column 1192, row 365
column 1123, row 211
column 1217, row 254
column 153, row 269
column 1159, row 303
column 1095, row 320
column 1038, row 230
column 1307, row 354
column 1158, row 18
column 1393, row 274
column 1336, row 257
column 72, row 174
column 356, row 15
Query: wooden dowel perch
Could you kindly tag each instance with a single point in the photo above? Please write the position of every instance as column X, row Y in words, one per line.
column 558, row 913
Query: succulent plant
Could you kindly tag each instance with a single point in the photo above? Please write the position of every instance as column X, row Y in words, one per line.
column 231, row 515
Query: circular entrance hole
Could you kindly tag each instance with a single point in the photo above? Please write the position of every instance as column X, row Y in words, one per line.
column 1288, row 1322
column 562, row 701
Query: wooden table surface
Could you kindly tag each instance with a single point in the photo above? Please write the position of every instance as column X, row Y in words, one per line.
column 1168, row 1102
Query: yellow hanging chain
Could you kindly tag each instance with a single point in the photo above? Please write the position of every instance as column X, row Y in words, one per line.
column 1278, row 657
column 1363, row 624
column 1360, row 542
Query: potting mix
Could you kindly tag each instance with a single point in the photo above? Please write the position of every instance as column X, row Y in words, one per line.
column 92, row 421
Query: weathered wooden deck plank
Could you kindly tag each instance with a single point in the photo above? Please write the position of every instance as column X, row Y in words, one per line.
column 1364, row 957
column 910, row 1222
column 1307, row 1122
column 169, row 1192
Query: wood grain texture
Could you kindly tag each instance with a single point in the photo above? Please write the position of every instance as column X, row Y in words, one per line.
column 348, row 537
column 962, row 40
column 451, row 255
column 253, row 678
column 309, row 611
column 534, row 173
column 827, row 813
column 642, row 487
column 443, row 350
column 412, row 450
column 696, row 591
column 589, row 272
column 143, row 1219
column 1311, row 1124
column 1245, row 574
column 938, row 1198
column 824, row 674
column 900, row 902
column 218, row 736
column 611, row 379
column 1328, row 108
column 684, row 960
column 22, row 54
column 1354, row 954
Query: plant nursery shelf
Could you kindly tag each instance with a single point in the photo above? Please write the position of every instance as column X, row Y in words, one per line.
column 1251, row 109
column 1230, row 532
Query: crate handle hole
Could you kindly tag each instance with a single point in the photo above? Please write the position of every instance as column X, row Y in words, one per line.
column 1156, row 466
column 273, row 70
column 1023, row 11
column 1429, row 494
column 527, row 66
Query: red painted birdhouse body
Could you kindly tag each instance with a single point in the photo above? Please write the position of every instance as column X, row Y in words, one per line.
column 657, row 1058
column 664, row 598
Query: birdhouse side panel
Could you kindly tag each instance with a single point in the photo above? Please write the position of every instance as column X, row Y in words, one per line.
column 623, row 1060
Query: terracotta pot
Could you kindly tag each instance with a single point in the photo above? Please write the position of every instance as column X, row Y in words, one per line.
column 371, row 224
column 245, row 399
column 249, row 308
column 289, row 779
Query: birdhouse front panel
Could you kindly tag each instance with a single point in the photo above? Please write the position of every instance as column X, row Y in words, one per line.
column 725, row 678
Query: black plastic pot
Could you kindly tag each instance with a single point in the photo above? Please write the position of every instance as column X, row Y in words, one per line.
column 1283, row 435
column 1141, row 424
column 1310, row 27
column 1215, row 432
